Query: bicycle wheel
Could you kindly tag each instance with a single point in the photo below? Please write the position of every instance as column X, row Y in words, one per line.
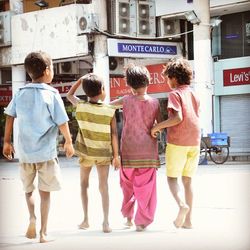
column 161, row 147
column 203, row 152
column 218, row 154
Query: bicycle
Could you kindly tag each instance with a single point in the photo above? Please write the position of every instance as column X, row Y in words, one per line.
column 217, row 146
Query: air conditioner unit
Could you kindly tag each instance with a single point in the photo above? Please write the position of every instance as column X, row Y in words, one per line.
column 5, row 27
column 86, row 19
column 69, row 68
column 123, row 17
column 116, row 66
column 169, row 27
column 134, row 18
column 146, row 18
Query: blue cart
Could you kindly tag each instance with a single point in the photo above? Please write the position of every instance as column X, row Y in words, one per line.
column 216, row 145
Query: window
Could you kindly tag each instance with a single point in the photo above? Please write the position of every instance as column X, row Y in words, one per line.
column 235, row 35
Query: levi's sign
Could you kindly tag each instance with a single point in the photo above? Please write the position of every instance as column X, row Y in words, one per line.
column 147, row 48
column 232, row 77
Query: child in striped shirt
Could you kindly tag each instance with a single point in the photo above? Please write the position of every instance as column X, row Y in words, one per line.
column 96, row 142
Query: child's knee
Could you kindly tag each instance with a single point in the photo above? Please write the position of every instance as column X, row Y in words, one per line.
column 84, row 184
column 103, row 187
column 187, row 181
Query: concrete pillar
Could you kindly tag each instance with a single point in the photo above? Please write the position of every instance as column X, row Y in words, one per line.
column 101, row 59
column 203, row 63
column 101, row 63
column 18, row 80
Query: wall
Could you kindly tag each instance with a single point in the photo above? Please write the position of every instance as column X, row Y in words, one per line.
column 166, row 7
column 5, row 56
column 52, row 30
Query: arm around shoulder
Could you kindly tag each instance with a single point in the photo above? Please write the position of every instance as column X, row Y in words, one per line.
column 118, row 103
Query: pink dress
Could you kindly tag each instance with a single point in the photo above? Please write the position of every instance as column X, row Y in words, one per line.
column 139, row 153
column 138, row 148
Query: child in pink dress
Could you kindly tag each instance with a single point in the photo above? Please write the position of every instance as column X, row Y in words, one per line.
column 139, row 150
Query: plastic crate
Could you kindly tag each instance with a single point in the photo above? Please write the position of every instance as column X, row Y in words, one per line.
column 219, row 139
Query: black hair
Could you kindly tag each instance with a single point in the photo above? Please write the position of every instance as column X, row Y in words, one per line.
column 137, row 76
column 35, row 64
column 92, row 84
column 180, row 69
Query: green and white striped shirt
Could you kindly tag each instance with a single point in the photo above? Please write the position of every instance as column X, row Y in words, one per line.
column 94, row 136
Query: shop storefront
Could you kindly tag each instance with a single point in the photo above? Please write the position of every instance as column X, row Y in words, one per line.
column 232, row 102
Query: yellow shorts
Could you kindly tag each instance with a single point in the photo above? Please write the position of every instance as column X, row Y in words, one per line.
column 89, row 162
column 182, row 160
column 48, row 172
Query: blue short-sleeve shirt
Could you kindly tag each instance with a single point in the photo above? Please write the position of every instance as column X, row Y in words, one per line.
column 39, row 110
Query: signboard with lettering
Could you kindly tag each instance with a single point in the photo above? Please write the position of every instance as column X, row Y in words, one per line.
column 236, row 77
column 147, row 48
column 128, row 48
column 118, row 86
column 5, row 95
column 63, row 88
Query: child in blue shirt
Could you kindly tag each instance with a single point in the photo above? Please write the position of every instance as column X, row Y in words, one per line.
column 39, row 112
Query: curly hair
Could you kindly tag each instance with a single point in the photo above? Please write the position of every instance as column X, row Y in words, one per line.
column 35, row 63
column 92, row 84
column 180, row 69
column 137, row 76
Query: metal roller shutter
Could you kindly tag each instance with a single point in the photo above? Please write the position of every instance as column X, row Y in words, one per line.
column 235, row 120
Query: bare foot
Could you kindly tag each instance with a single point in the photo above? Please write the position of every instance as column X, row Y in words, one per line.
column 106, row 228
column 179, row 221
column 140, row 228
column 84, row 225
column 128, row 223
column 31, row 231
column 43, row 238
column 187, row 224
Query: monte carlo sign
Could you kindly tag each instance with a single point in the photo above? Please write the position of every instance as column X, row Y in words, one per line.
column 142, row 49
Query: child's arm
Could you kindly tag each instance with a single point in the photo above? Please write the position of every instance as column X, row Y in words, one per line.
column 116, row 162
column 8, row 148
column 172, row 121
column 71, row 94
column 68, row 147
column 159, row 116
column 118, row 103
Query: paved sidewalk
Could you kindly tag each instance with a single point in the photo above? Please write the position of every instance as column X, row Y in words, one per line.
column 221, row 213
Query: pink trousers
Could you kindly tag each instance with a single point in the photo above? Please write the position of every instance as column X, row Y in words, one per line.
column 139, row 184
